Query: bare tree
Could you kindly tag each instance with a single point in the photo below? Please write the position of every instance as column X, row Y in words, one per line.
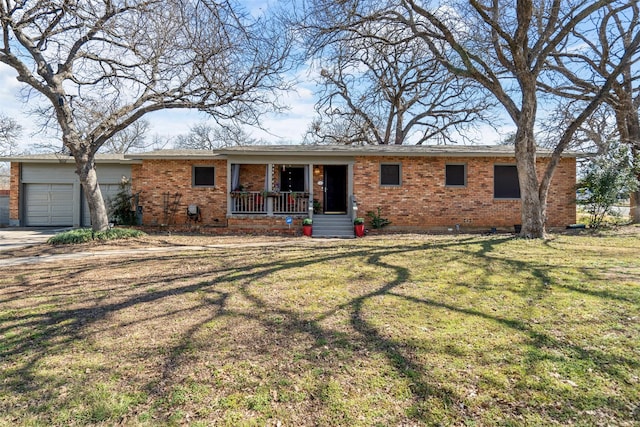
column 505, row 46
column 203, row 136
column 380, row 86
column 130, row 139
column 104, row 64
column 10, row 131
column 594, row 136
column 617, row 26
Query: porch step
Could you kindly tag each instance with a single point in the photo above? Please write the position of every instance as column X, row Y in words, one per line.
column 332, row 226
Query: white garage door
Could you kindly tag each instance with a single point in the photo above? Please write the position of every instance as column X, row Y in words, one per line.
column 49, row 204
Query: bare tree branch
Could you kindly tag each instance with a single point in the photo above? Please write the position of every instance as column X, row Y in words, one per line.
column 380, row 86
column 105, row 64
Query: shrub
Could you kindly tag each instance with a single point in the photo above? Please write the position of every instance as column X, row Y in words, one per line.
column 377, row 221
column 83, row 235
column 121, row 210
column 358, row 221
column 607, row 178
column 307, row 221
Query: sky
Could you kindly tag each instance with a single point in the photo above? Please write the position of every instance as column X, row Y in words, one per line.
column 287, row 127
column 279, row 128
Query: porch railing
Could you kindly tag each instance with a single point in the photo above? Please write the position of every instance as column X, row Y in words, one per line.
column 290, row 203
column 259, row 202
column 248, row 202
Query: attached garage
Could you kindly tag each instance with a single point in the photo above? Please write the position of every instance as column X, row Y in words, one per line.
column 50, row 190
column 49, row 204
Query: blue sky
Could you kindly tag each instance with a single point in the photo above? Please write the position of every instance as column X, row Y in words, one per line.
column 288, row 127
column 282, row 128
column 278, row 128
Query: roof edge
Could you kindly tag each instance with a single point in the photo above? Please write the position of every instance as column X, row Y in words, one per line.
column 64, row 159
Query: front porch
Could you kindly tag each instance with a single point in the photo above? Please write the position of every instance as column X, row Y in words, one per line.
column 294, row 188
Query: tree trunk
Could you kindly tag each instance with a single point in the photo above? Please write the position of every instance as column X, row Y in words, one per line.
column 88, row 178
column 634, row 214
column 532, row 207
column 634, row 202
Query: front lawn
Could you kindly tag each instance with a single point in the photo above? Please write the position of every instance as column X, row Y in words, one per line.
column 396, row 330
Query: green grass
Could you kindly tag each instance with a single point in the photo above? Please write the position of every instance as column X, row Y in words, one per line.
column 405, row 330
column 83, row 235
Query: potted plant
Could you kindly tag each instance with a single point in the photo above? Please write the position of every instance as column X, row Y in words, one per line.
column 358, row 227
column 307, row 226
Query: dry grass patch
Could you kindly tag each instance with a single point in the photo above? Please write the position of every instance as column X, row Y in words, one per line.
column 387, row 331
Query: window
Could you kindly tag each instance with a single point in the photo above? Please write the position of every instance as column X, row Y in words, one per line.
column 505, row 182
column 203, row 176
column 390, row 174
column 455, row 175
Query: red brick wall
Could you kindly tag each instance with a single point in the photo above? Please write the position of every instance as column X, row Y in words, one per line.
column 252, row 177
column 318, row 175
column 424, row 202
column 155, row 178
column 14, row 197
column 265, row 225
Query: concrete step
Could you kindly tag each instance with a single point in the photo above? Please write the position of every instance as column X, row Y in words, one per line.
column 332, row 226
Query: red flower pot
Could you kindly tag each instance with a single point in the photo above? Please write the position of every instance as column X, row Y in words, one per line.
column 307, row 230
column 359, row 230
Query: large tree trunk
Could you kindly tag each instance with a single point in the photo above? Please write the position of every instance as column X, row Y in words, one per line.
column 532, row 207
column 88, row 178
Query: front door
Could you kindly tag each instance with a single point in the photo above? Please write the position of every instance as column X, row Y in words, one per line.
column 335, row 189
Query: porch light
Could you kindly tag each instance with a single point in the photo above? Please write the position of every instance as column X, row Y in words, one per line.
column 316, row 170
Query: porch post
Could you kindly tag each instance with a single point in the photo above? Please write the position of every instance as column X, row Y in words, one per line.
column 269, row 188
column 310, row 188
column 229, row 188
column 350, row 190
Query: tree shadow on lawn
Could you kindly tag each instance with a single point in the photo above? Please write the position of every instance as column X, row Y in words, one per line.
column 50, row 329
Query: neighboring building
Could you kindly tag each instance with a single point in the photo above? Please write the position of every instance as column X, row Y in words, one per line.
column 4, row 208
column 255, row 188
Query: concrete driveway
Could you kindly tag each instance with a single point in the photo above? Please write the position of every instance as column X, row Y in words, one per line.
column 12, row 238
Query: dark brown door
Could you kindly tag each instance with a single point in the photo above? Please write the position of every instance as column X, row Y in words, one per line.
column 335, row 189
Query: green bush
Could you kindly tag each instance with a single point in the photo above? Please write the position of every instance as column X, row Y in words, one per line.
column 307, row 221
column 120, row 207
column 607, row 179
column 377, row 221
column 82, row 235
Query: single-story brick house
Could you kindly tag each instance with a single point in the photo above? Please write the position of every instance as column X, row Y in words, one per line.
column 257, row 188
